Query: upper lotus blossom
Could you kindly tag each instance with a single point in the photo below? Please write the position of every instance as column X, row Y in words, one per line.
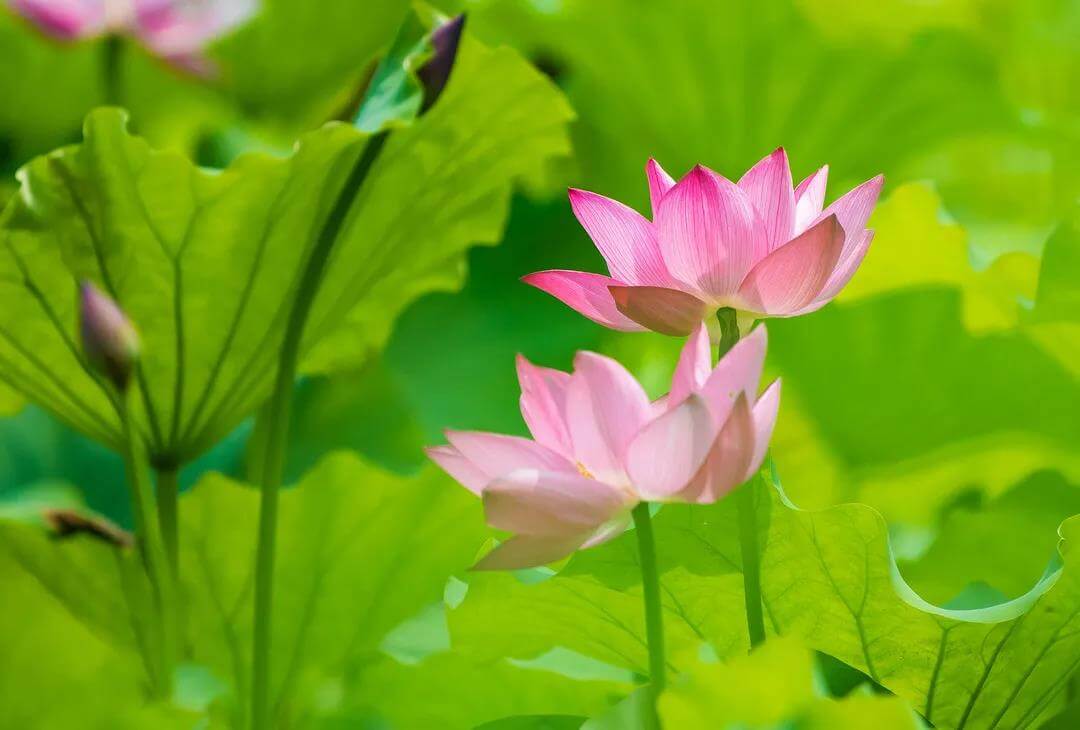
column 109, row 339
column 176, row 30
column 761, row 246
column 599, row 447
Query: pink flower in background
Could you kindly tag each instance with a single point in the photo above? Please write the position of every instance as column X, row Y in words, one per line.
column 761, row 246
column 176, row 30
column 600, row 447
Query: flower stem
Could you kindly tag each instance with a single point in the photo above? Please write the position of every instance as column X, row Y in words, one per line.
column 654, row 619
column 111, row 51
column 751, row 561
column 148, row 532
column 274, row 432
column 168, row 492
column 747, row 507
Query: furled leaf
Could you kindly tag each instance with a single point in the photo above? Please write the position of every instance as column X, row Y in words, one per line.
column 829, row 579
column 205, row 262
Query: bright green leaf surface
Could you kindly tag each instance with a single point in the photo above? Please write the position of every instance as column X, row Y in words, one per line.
column 205, row 262
column 772, row 688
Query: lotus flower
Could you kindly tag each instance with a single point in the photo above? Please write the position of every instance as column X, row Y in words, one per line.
column 599, row 447
column 761, row 246
column 176, row 30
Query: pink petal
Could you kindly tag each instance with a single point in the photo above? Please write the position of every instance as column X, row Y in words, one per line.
column 543, row 404
column 667, row 311
column 809, row 199
column 765, row 411
column 792, row 276
column 853, row 208
column 464, row 471
column 659, row 184
column 709, row 233
column 534, row 502
column 695, row 363
column 625, row 239
column 728, row 460
column 529, row 551
column 496, row 454
column 850, row 260
column 668, row 452
column 768, row 185
column 737, row 373
column 64, row 19
column 605, row 409
column 585, row 293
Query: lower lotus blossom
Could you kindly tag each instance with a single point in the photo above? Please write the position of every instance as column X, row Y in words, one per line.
column 599, row 447
column 176, row 30
column 762, row 246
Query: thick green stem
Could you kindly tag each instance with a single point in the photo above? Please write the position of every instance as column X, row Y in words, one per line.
column 654, row 618
column 168, row 493
column 276, row 415
column 751, row 561
column 148, row 533
column 748, row 544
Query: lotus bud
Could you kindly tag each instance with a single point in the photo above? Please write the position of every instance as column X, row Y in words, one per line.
column 436, row 72
column 109, row 339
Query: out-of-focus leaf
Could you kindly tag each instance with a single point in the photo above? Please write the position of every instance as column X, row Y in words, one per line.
column 892, row 402
column 915, row 247
column 773, row 687
column 59, row 673
column 828, row 577
column 206, row 262
column 695, row 81
column 455, row 692
column 1003, row 545
column 271, row 67
column 32, row 121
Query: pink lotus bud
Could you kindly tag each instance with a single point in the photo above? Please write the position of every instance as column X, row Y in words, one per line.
column 109, row 339
column 762, row 246
column 600, row 447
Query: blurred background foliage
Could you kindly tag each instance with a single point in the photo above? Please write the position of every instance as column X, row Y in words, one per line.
column 941, row 388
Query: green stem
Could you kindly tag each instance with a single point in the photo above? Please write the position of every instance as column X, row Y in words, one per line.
column 148, row 533
column 168, row 492
column 654, row 619
column 111, row 52
column 746, row 497
column 747, row 508
column 275, row 435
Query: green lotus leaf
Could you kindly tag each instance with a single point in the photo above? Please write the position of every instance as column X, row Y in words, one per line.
column 206, row 262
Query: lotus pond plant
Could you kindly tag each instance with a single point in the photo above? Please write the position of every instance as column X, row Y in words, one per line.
column 199, row 303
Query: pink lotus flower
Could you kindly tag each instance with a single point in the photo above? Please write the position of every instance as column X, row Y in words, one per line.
column 176, row 30
column 599, row 447
column 761, row 246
